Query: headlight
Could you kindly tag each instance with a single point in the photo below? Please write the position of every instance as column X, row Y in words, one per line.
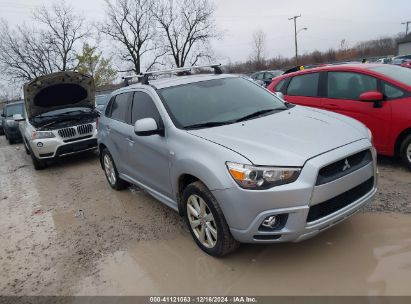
column 370, row 136
column 260, row 178
column 42, row 134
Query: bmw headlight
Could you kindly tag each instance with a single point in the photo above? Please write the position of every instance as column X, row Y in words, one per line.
column 260, row 177
column 42, row 134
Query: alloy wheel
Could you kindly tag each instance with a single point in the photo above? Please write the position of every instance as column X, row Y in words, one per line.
column 109, row 169
column 202, row 221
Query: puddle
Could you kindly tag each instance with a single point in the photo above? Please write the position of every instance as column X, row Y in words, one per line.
column 370, row 254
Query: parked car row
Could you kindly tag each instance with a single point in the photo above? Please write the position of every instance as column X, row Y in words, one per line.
column 57, row 117
column 239, row 163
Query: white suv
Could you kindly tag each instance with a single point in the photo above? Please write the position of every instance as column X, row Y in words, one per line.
column 60, row 117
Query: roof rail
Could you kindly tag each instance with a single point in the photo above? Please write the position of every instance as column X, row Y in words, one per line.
column 143, row 77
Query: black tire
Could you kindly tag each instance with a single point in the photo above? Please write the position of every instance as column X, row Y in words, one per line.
column 405, row 151
column 225, row 242
column 118, row 184
column 38, row 163
column 25, row 147
column 11, row 141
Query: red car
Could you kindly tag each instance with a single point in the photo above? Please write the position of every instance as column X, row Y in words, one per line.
column 378, row 95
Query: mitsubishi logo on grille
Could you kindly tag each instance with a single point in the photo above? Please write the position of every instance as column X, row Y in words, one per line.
column 346, row 165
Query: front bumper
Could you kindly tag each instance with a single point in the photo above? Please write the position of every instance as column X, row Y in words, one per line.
column 50, row 148
column 245, row 210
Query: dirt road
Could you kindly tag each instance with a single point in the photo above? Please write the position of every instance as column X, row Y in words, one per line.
column 65, row 232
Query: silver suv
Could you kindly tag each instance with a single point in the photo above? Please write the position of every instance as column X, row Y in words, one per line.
column 236, row 161
column 60, row 118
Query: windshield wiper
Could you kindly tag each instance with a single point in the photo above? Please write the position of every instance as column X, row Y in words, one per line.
column 209, row 124
column 256, row 114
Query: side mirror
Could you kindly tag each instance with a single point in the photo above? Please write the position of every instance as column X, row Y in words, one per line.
column 280, row 95
column 18, row 117
column 147, row 127
column 371, row 96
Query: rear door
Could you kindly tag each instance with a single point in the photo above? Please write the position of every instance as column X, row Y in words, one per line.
column 149, row 157
column 117, row 129
column 304, row 90
column 343, row 96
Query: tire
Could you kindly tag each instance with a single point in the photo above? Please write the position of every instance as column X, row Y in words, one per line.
column 216, row 244
column 11, row 141
column 111, row 172
column 38, row 163
column 25, row 147
column 405, row 151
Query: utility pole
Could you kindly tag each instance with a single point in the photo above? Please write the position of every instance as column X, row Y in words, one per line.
column 295, row 36
column 407, row 23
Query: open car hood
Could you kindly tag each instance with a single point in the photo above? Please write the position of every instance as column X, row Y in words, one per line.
column 59, row 90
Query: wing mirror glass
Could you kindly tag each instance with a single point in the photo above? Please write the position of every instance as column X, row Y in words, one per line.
column 147, row 127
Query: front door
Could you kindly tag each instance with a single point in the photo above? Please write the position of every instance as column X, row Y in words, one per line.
column 149, row 156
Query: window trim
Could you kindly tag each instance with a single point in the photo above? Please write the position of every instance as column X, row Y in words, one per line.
column 351, row 72
column 300, row 75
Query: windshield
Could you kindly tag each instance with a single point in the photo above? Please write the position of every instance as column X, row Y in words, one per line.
column 397, row 73
column 218, row 101
column 10, row 110
column 101, row 100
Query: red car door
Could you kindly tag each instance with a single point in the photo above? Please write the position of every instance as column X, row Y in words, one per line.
column 343, row 96
column 303, row 90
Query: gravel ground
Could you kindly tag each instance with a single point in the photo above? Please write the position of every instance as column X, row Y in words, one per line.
column 58, row 223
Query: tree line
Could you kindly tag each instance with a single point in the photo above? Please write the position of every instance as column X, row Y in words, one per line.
column 368, row 50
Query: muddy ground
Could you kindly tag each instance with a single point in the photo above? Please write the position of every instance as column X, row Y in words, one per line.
column 65, row 232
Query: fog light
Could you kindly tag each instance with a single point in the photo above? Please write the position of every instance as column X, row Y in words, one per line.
column 39, row 144
column 271, row 222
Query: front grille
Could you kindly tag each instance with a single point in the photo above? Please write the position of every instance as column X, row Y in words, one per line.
column 85, row 129
column 332, row 205
column 67, row 132
column 343, row 167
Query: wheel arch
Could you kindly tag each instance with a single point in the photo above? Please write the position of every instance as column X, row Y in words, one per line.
column 400, row 139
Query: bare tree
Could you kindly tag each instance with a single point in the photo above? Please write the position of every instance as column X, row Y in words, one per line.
column 25, row 53
column 130, row 23
column 187, row 27
column 49, row 46
column 65, row 29
column 259, row 45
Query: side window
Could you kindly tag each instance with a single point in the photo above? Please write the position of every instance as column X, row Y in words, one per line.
column 120, row 107
column 347, row 85
column 281, row 85
column 304, row 85
column 144, row 107
column 108, row 109
column 259, row 76
column 392, row 92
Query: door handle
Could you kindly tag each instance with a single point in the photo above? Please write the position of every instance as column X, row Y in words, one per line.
column 130, row 140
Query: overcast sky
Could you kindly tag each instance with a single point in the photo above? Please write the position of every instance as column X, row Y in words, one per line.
column 328, row 22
